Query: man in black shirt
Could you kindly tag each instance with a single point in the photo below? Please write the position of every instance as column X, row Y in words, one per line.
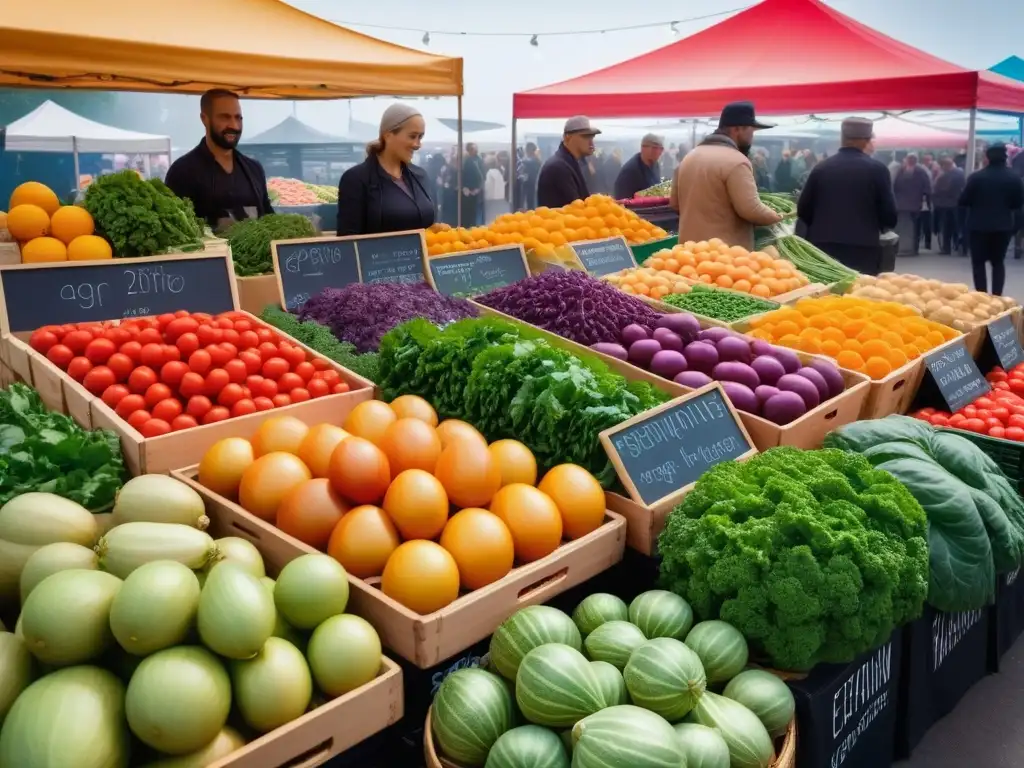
column 224, row 185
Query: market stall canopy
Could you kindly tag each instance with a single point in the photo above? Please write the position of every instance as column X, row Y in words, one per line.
column 259, row 48
column 291, row 130
column 51, row 128
column 789, row 57
column 897, row 133
column 1011, row 67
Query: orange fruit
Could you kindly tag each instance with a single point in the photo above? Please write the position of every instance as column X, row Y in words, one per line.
column 363, row 540
column 515, row 462
column 533, row 519
column 43, row 249
column 410, row 443
column 369, row 420
column 469, row 473
column 89, row 248
column 481, row 545
column 268, row 480
column 418, row 504
column 422, row 576
column 578, row 496
column 223, row 465
column 318, row 445
column 414, row 407
column 69, row 222
column 359, row 471
column 280, row 433
column 27, row 222
column 34, row 193
column 310, row 512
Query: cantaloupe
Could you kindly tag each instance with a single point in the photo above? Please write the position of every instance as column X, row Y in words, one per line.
column 89, row 248
column 34, row 193
column 28, row 221
column 43, row 249
column 69, row 222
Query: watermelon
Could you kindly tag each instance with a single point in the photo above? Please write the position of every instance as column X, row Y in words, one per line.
column 613, row 642
column 596, row 609
column 721, row 647
column 665, row 676
column 749, row 744
column 625, row 735
column 528, row 746
column 661, row 614
column 703, row 747
column 613, row 687
column 766, row 696
column 556, row 686
column 471, row 710
column 525, row 630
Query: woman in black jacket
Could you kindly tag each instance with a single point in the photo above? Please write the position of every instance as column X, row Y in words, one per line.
column 386, row 192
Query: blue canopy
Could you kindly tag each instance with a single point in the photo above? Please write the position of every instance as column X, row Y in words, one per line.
column 1011, row 67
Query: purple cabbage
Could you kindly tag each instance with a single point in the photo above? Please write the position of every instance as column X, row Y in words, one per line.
column 361, row 314
column 573, row 305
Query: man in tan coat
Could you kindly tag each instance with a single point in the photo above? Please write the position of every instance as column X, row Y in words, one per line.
column 714, row 190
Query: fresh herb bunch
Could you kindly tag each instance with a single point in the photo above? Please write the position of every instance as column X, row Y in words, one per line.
column 142, row 217
column 250, row 240
column 48, row 452
column 727, row 306
column 320, row 339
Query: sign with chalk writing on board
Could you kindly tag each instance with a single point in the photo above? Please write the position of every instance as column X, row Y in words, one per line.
column 35, row 295
column 604, row 257
column 659, row 453
column 392, row 258
column 474, row 273
column 305, row 267
column 958, row 376
column 1002, row 332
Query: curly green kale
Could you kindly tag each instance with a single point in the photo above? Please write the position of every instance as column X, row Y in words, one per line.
column 814, row 555
column 319, row 337
column 250, row 240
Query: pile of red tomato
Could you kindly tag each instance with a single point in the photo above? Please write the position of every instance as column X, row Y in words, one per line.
column 1000, row 413
column 175, row 371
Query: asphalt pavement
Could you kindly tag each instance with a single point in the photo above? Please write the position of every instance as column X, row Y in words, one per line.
column 957, row 269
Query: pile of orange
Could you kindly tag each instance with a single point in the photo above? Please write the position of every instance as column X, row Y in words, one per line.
column 648, row 281
column 431, row 509
column 734, row 267
column 49, row 231
column 873, row 337
column 542, row 230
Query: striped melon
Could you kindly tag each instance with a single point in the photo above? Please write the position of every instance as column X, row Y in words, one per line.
column 766, row 696
column 471, row 710
column 749, row 744
column 721, row 647
column 596, row 609
column 613, row 687
column 661, row 614
column 703, row 747
column 613, row 642
column 666, row 677
column 525, row 630
column 528, row 746
column 625, row 736
column 556, row 687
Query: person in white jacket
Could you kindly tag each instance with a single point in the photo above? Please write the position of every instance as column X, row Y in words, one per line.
column 495, row 202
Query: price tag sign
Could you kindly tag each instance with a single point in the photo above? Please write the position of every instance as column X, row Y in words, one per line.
column 1006, row 342
column 34, row 295
column 306, row 267
column 958, row 376
column 604, row 257
column 474, row 273
column 392, row 258
column 658, row 454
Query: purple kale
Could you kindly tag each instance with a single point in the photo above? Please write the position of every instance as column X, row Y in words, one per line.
column 573, row 305
column 361, row 314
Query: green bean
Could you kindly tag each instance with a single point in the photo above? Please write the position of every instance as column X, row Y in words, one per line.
column 727, row 306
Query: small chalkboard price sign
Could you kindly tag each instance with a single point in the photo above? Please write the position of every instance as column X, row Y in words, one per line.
column 34, row 295
column 392, row 258
column 1003, row 334
column 474, row 273
column 660, row 453
column 604, row 257
column 305, row 267
column 958, row 376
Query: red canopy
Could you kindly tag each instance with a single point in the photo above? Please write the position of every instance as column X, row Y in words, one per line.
column 787, row 56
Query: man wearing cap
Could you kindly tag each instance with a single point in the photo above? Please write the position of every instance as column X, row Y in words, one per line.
column 562, row 177
column 714, row 189
column 848, row 201
column 641, row 171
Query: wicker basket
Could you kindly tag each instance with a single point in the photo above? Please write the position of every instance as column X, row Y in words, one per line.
column 785, row 758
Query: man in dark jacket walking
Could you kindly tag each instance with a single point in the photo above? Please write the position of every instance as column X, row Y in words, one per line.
column 848, row 202
column 912, row 186
column 641, row 171
column 993, row 198
column 784, row 179
column 562, row 177
column 945, row 197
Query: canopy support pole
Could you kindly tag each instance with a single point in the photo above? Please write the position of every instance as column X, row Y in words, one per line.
column 78, row 175
column 514, row 163
column 972, row 141
column 458, row 196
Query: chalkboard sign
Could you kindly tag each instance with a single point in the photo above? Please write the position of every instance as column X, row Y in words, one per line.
column 603, row 257
column 660, row 452
column 474, row 273
column 959, row 379
column 306, row 267
column 392, row 258
column 1003, row 334
column 35, row 295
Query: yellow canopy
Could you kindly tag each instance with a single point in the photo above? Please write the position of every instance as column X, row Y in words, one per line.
column 259, row 48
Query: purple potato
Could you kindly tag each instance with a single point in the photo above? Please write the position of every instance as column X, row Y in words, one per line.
column 668, row 339
column 612, row 350
column 769, row 369
column 817, row 380
column 714, row 334
column 733, row 348
column 831, row 374
column 784, row 407
column 764, row 392
column 683, row 324
column 641, row 352
column 791, row 382
column 694, row 379
column 701, row 356
column 760, row 347
column 739, row 372
column 668, row 363
column 741, row 396
column 632, row 333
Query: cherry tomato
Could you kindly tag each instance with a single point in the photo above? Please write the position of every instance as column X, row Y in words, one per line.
column 230, row 394
column 171, row 352
column 42, row 340
column 289, row 381
column 974, row 425
column 130, row 404
column 267, row 350
column 217, row 413
column 939, row 420
column 331, row 376
column 155, row 428
column 201, row 317
column 992, row 422
column 299, row 395
column 141, row 379
column 969, row 411
column 197, row 406
column 118, row 335
column 983, row 413
column 281, row 400
column 138, row 418
column 155, row 393
column 200, row 361
column 320, row 364
column 996, row 432
column 183, row 422
column 60, row 356
column 133, row 350
column 1014, row 433
column 173, row 372
column 1015, row 420
column 248, row 340
column 253, row 361
column 77, row 341
column 167, row 409
column 231, row 336
column 266, row 335
column 150, row 336
column 275, row 367
column 78, row 367
column 98, row 379
column 179, row 326
column 152, row 355
column 293, row 354
column 216, row 380
column 925, row 412
column 192, row 384
column 187, row 343
column 236, row 370
column 121, row 365
column 207, row 334
column 305, row 370
column 243, row 407
column 113, row 394
column 219, row 355
column 165, row 319
column 225, row 322
column 243, row 325
column 267, row 388
column 340, row 388
column 1017, row 386
column 263, row 403
column 1002, row 386
column 995, row 375
column 1001, row 412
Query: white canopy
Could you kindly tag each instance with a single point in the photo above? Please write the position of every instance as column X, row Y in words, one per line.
column 51, row 128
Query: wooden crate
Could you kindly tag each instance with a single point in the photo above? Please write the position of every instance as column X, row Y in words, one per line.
column 57, row 390
column 976, row 337
column 255, row 293
column 426, row 640
column 10, row 253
